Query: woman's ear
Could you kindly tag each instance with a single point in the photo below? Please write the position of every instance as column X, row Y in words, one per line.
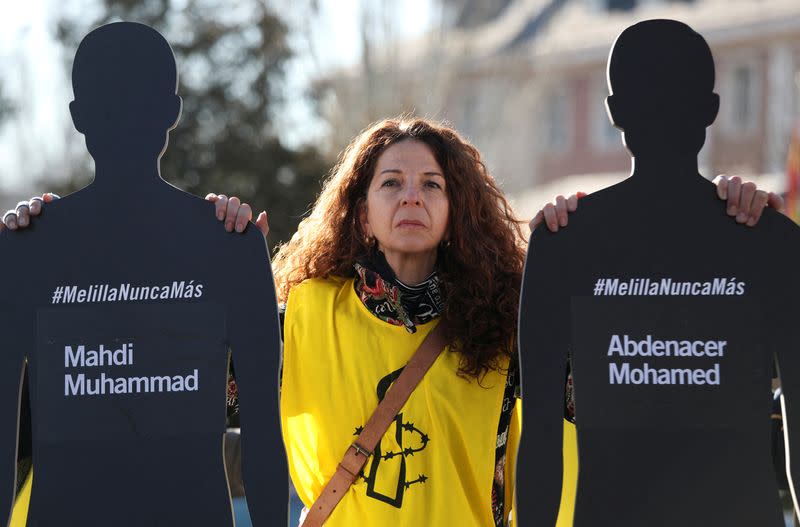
column 362, row 218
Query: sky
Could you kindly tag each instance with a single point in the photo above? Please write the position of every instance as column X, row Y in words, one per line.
column 31, row 64
column 336, row 43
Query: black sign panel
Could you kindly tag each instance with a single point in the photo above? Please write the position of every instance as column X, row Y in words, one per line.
column 125, row 301
column 129, row 371
column 683, row 375
column 694, row 362
column 670, row 315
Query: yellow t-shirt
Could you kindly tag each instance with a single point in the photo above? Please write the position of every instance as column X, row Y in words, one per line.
column 434, row 466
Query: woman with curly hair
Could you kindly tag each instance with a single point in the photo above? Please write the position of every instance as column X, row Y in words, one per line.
column 409, row 231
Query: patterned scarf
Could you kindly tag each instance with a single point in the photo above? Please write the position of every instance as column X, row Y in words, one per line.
column 393, row 301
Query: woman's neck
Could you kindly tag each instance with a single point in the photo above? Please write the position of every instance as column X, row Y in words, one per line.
column 411, row 268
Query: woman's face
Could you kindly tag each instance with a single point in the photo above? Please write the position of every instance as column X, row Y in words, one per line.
column 407, row 208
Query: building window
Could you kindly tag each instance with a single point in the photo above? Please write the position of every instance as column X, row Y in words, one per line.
column 740, row 98
column 796, row 98
column 470, row 109
column 557, row 120
column 604, row 136
column 620, row 5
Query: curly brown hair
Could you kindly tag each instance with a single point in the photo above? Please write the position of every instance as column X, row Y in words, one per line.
column 480, row 270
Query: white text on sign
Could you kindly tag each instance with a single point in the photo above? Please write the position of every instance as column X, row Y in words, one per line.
column 82, row 384
column 626, row 373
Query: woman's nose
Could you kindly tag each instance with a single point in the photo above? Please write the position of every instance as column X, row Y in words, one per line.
column 411, row 195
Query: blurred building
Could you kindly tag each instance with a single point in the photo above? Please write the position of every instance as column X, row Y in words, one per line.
column 526, row 83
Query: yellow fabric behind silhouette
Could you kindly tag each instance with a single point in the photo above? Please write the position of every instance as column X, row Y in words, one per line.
column 566, row 511
column 19, row 516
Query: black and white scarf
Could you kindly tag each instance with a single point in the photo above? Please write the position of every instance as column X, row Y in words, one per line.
column 393, row 301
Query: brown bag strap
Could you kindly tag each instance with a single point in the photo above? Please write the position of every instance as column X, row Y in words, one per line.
column 357, row 454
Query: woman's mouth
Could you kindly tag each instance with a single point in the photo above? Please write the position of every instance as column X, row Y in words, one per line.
column 411, row 224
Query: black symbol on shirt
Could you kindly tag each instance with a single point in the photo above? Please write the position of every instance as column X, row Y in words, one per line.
column 405, row 451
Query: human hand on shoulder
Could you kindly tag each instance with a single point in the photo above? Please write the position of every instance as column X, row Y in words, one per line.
column 20, row 217
column 236, row 214
column 745, row 201
column 555, row 214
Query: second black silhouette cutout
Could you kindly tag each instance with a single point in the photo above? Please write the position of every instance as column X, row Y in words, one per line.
column 670, row 315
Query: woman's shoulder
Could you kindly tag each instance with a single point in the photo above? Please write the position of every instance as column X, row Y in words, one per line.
column 309, row 296
column 319, row 286
column 326, row 282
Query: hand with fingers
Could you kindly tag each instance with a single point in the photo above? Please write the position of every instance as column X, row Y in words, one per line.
column 20, row 216
column 236, row 214
column 556, row 213
column 745, row 201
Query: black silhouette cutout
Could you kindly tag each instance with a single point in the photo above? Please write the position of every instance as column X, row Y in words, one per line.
column 671, row 315
column 125, row 301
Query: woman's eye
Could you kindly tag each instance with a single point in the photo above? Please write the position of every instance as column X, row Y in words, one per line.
column 389, row 183
column 433, row 184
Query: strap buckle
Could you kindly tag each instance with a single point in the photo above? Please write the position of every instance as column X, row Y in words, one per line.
column 361, row 450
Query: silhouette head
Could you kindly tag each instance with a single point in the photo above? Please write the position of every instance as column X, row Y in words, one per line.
column 661, row 79
column 125, row 84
